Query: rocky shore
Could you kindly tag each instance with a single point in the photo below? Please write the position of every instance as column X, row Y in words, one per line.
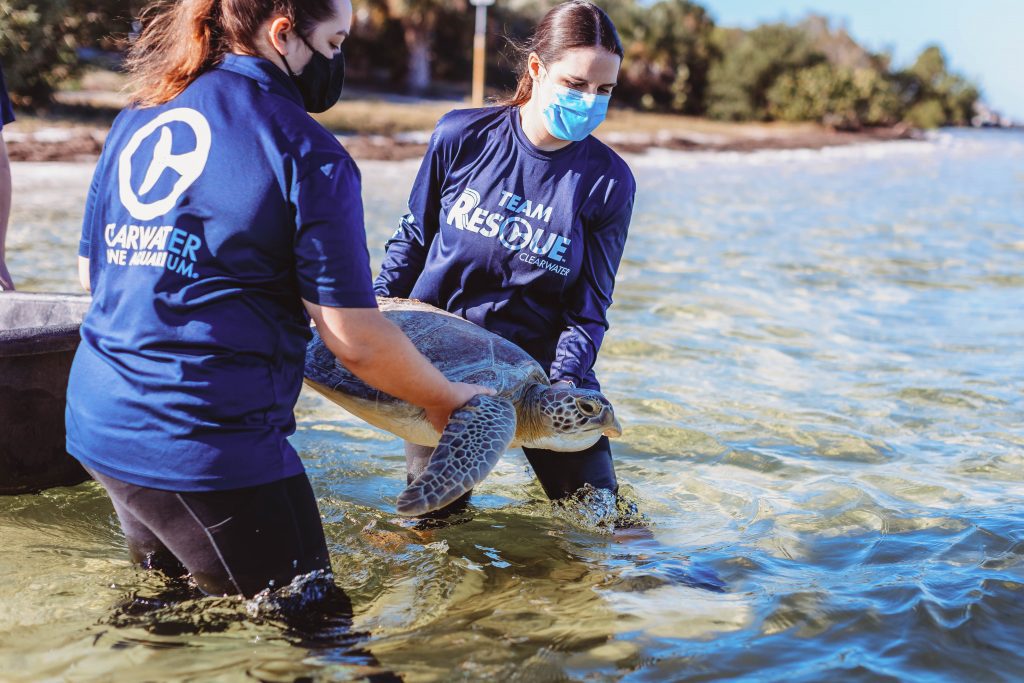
column 54, row 144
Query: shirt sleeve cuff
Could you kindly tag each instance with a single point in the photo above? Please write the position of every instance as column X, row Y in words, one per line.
column 339, row 299
column 83, row 248
column 559, row 375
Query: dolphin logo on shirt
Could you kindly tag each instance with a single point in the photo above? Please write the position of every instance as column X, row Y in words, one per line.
column 163, row 159
column 188, row 166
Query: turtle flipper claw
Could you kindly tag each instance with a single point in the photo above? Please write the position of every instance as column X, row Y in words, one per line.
column 477, row 435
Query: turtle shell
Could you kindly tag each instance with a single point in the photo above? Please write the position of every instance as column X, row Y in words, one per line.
column 461, row 350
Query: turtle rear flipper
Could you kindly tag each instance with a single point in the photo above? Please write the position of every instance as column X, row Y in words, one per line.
column 477, row 435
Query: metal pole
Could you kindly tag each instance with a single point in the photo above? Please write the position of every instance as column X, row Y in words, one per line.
column 479, row 45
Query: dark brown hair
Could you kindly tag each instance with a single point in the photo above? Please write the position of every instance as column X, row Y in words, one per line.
column 181, row 39
column 573, row 24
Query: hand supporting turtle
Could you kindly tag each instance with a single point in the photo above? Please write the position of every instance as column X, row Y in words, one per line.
column 523, row 409
column 439, row 414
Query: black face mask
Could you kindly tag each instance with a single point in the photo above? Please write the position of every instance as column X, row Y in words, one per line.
column 321, row 81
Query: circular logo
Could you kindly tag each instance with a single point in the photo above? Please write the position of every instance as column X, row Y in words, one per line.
column 511, row 233
column 189, row 165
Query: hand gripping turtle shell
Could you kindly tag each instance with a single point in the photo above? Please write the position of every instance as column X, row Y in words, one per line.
column 526, row 410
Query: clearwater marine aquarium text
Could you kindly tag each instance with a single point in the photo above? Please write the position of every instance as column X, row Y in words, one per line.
column 159, row 246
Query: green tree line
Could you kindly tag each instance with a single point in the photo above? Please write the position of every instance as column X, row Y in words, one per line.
column 677, row 59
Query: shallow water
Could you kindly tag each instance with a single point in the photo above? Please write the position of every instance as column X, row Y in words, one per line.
column 819, row 361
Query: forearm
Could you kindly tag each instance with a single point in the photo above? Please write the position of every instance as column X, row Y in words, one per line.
column 5, row 196
column 576, row 352
column 586, row 316
column 404, row 257
column 391, row 363
column 406, row 251
column 83, row 273
column 376, row 351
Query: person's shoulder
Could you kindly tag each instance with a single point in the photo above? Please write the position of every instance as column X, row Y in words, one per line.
column 607, row 159
column 302, row 134
column 242, row 114
column 462, row 124
column 125, row 124
column 228, row 94
column 277, row 118
column 322, row 154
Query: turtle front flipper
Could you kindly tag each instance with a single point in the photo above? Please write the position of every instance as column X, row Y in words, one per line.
column 477, row 435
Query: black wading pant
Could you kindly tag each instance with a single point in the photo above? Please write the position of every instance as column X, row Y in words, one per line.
column 236, row 541
column 561, row 474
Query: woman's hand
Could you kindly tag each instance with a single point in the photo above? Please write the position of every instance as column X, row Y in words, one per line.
column 461, row 392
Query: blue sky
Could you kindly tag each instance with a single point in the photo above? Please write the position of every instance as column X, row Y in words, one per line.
column 982, row 39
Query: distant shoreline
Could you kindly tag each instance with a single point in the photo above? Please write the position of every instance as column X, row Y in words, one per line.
column 83, row 143
column 376, row 127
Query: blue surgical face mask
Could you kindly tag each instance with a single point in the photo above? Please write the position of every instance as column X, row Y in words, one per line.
column 573, row 115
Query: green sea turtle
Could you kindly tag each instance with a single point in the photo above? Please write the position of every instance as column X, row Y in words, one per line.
column 526, row 410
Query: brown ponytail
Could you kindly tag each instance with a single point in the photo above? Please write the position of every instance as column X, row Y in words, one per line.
column 573, row 24
column 181, row 39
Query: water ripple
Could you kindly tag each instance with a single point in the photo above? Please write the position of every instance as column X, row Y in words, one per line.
column 819, row 360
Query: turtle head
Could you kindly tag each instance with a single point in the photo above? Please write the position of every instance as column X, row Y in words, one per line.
column 571, row 419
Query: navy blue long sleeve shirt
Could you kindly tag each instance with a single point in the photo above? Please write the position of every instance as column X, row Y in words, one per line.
column 521, row 241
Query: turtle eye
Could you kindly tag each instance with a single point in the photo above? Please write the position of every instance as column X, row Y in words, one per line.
column 588, row 407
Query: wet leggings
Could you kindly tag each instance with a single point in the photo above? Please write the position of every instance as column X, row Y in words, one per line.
column 561, row 474
column 237, row 541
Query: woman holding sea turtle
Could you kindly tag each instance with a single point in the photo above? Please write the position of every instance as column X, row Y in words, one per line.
column 221, row 218
column 518, row 218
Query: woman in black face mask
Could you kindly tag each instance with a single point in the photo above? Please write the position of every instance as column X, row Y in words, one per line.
column 222, row 218
column 321, row 80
